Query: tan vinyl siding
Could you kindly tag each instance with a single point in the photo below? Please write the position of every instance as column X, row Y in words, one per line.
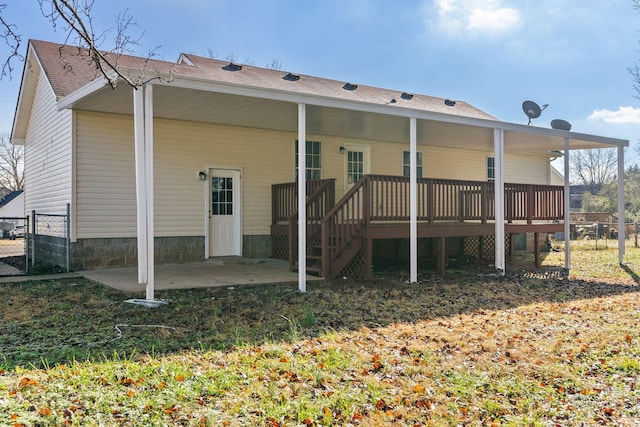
column 522, row 169
column 105, row 176
column 106, row 205
column 106, row 198
column 183, row 149
column 48, row 157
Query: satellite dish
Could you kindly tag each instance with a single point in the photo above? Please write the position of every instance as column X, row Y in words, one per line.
column 560, row 124
column 532, row 110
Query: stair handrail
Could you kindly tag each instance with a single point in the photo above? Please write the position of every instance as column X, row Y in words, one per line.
column 318, row 211
column 348, row 229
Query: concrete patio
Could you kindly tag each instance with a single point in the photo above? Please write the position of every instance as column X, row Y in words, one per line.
column 223, row 271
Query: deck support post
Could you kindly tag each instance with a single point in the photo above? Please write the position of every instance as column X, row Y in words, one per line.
column 413, row 203
column 536, row 250
column 567, row 207
column 368, row 265
column 621, row 222
column 498, row 149
column 302, row 198
column 442, row 254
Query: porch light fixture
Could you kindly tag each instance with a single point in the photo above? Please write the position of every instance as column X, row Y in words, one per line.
column 349, row 86
column 232, row 67
column 449, row 103
column 407, row 96
column 342, row 149
column 202, row 175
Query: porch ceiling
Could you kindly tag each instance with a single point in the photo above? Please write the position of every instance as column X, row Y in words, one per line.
column 209, row 106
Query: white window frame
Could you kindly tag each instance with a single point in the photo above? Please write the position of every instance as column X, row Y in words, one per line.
column 406, row 165
column 311, row 154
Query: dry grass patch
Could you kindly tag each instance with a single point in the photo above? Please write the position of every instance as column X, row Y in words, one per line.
column 465, row 349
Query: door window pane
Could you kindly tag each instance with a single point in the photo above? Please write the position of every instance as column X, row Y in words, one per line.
column 355, row 166
column 222, row 196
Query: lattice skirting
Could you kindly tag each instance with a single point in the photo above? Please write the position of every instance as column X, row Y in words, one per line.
column 280, row 247
column 356, row 267
column 484, row 247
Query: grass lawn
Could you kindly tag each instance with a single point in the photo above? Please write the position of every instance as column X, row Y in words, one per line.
column 535, row 348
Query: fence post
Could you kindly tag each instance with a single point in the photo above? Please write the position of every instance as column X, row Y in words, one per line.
column 68, row 237
column 635, row 234
column 33, row 238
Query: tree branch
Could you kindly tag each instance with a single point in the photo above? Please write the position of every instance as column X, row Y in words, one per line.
column 12, row 40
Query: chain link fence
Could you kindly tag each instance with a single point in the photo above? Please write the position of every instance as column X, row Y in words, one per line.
column 14, row 245
column 50, row 248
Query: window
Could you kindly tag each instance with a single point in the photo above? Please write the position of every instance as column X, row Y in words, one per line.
column 221, row 196
column 355, row 166
column 406, row 165
column 491, row 169
column 313, row 164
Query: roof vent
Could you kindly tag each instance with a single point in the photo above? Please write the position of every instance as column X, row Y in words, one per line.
column 291, row 77
column 232, row 67
column 349, row 86
column 449, row 103
column 407, row 96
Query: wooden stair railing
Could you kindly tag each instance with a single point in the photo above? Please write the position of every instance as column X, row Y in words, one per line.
column 319, row 202
column 342, row 226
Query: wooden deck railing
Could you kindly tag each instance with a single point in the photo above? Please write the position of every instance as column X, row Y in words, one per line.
column 382, row 198
column 284, row 198
column 456, row 200
column 322, row 198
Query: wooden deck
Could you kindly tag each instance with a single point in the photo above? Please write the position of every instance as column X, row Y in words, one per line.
column 340, row 235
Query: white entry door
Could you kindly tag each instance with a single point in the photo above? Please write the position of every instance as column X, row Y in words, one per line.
column 357, row 164
column 224, row 212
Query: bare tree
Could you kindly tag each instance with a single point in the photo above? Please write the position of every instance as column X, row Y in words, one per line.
column 11, row 164
column 12, row 39
column 594, row 168
column 635, row 69
column 76, row 19
column 275, row 64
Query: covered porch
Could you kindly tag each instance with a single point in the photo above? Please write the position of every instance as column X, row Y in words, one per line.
column 303, row 107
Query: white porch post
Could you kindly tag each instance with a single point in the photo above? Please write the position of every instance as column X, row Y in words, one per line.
column 567, row 207
column 498, row 149
column 141, row 179
column 621, row 220
column 413, row 204
column 148, row 142
column 302, row 198
column 143, row 134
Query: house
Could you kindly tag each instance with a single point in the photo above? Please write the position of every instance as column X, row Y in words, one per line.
column 11, row 211
column 201, row 161
column 12, row 205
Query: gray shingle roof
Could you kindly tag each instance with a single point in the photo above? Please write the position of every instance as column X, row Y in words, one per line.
column 69, row 69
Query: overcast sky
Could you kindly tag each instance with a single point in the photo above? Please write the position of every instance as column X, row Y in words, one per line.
column 571, row 54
